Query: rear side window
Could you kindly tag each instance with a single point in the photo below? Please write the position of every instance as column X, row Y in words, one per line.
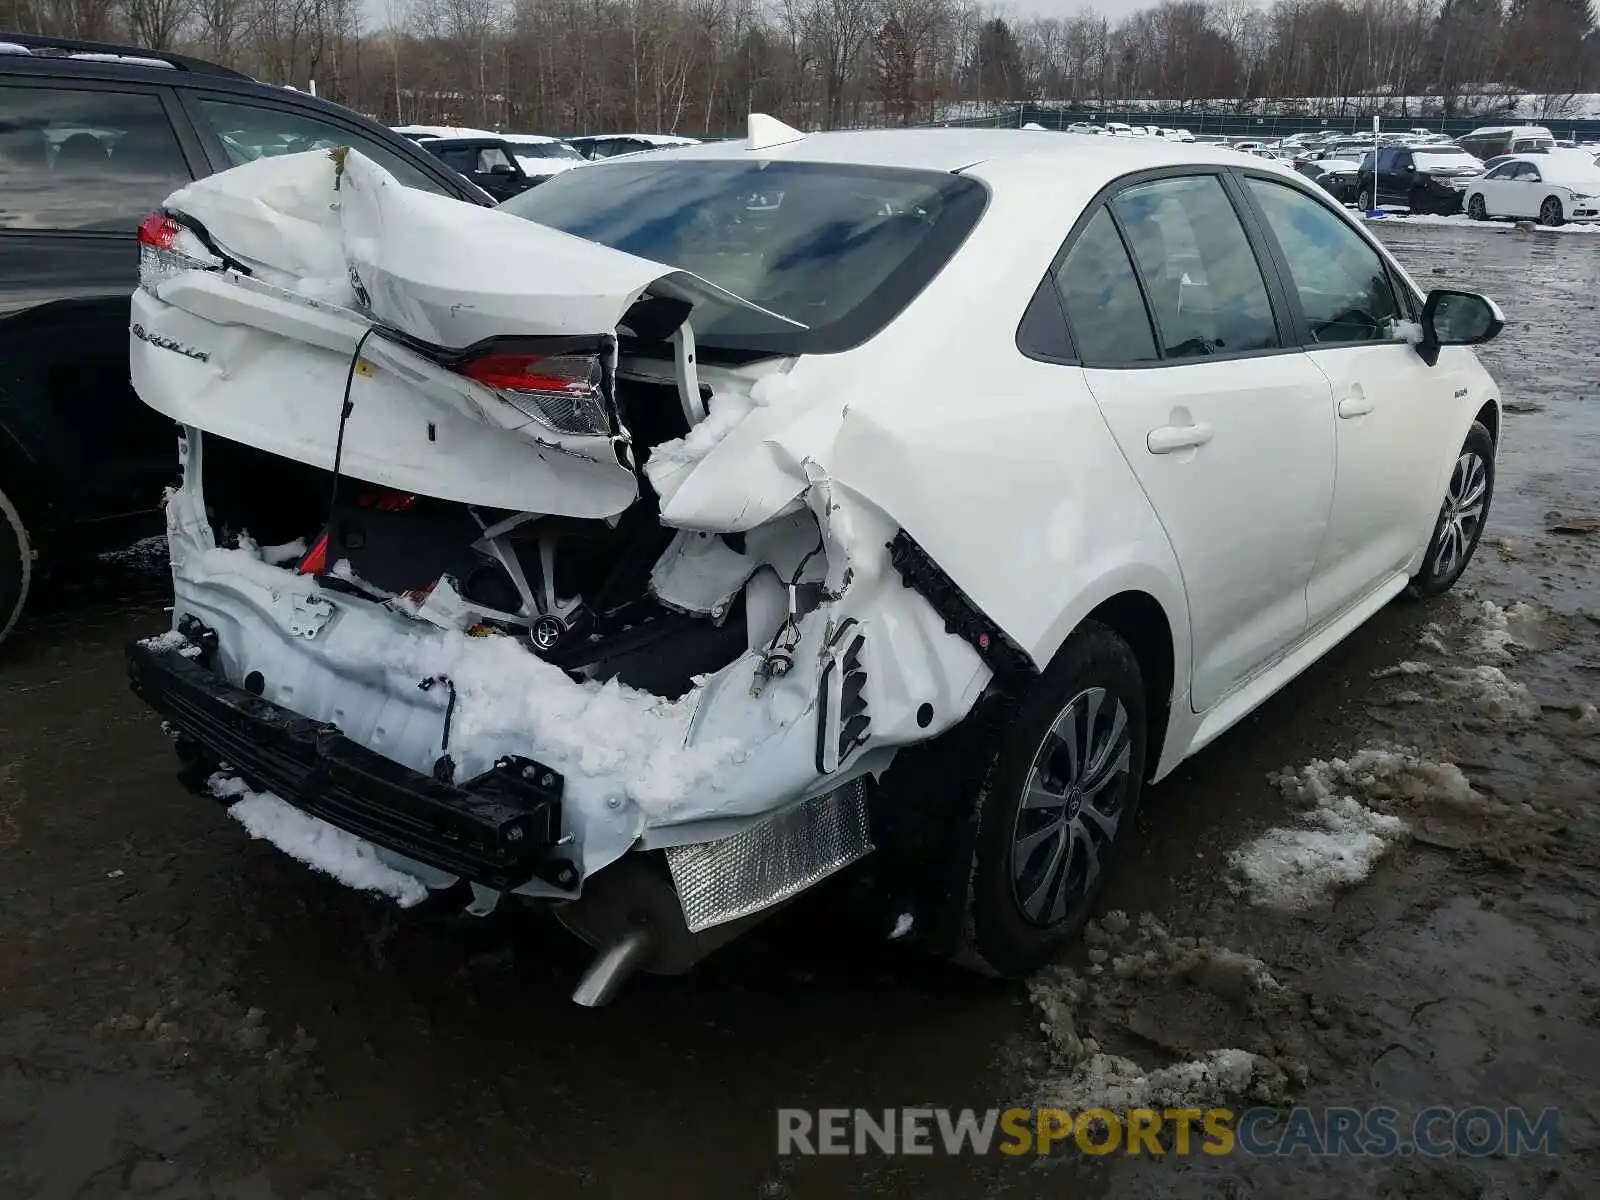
column 1343, row 285
column 1205, row 285
column 252, row 131
column 92, row 161
column 1101, row 294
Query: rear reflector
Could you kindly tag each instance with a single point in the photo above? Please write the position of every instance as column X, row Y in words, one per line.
column 564, row 391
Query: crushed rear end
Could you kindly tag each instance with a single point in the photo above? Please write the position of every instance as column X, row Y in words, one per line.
column 480, row 567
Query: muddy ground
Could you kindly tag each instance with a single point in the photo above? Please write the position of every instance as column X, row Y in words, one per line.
column 185, row 1013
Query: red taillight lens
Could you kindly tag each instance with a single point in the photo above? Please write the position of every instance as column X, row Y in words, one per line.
column 166, row 249
column 564, row 391
column 535, row 372
column 160, row 231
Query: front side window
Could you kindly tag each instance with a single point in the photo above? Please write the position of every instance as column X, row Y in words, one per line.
column 491, row 157
column 1101, row 293
column 839, row 249
column 1205, row 286
column 1342, row 283
column 1503, row 171
column 252, row 131
column 91, row 161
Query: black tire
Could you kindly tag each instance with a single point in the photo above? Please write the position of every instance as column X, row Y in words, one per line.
column 1476, row 208
column 1550, row 213
column 1364, row 201
column 1094, row 676
column 1451, row 547
column 16, row 565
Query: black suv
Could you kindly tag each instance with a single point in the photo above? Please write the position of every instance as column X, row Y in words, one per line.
column 92, row 137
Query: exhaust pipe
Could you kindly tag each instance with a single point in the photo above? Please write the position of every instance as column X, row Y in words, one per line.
column 611, row 968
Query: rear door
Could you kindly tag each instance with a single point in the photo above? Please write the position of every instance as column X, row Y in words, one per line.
column 81, row 164
column 1227, row 427
column 1386, row 402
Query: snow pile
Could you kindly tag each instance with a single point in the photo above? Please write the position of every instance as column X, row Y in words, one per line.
column 636, row 739
column 1489, row 637
column 1346, row 829
column 1297, row 869
column 1141, row 957
column 321, row 846
column 1491, row 692
column 728, row 410
column 172, row 640
column 1464, row 222
column 502, row 690
column 1117, row 1084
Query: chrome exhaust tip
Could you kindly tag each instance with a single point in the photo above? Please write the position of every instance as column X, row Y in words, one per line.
column 611, row 968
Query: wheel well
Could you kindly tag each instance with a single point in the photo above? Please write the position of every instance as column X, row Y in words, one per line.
column 1138, row 619
column 1489, row 417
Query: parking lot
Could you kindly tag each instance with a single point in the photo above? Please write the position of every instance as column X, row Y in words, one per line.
column 186, row 1013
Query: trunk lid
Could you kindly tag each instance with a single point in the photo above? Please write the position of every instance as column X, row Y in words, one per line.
column 327, row 253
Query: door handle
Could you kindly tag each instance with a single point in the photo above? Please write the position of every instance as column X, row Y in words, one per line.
column 1355, row 406
column 1169, row 438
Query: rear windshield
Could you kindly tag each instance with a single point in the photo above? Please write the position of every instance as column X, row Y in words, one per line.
column 1443, row 156
column 544, row 150
column 841, row 249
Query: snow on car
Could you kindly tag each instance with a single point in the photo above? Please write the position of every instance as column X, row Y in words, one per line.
column 1553, row 186
column 541, row 157
column 661, row 542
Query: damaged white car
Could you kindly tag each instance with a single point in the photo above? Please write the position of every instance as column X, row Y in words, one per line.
column 686, row 529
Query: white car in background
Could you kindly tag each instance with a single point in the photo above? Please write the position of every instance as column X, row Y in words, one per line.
column 1551, row 187
column 539, row 156
column 418, row 133
column 624, row 550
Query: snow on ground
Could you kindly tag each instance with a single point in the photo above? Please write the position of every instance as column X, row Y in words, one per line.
column 146, row 552
column 321, row 846
column 1465, row 222
column 1349, row 825
column 1143, row 955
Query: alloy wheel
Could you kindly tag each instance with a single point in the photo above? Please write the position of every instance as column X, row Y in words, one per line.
column 1071, row 807
column 1476, row 209
column 1462, row 513
column 1550, row 211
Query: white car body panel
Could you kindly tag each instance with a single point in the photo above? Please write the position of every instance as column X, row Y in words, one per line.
column 1246, row 553
column 982, row 455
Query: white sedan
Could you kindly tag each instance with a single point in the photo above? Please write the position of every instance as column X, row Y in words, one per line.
column 1552, row 187
column 627, row 551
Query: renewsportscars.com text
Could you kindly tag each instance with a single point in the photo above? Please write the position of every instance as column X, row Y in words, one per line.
column 1435, row 1132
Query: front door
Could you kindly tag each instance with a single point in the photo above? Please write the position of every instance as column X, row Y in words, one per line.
column 1228, row 432
column 1384, row 398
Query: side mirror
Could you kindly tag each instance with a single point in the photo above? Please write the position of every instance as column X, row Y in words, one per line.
column 501, row 169
column 1452, row 318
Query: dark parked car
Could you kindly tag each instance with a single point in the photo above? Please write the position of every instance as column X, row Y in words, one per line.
column 92, row 137
column 489, row 162
column 1337, row 176
column 1424, row 179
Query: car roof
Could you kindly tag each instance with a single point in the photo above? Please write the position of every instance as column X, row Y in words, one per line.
column 529, row 139
column 80, row 56
column 957, row 149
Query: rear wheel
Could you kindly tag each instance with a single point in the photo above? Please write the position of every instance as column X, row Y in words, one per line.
column 16, row 565
column 1476, row 209
column 1462, row 516
column 1364, row 201
column 1058, row 803
column 1550, row 212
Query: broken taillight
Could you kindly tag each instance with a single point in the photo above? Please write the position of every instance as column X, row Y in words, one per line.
column 167, row 248
column 564, row 391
